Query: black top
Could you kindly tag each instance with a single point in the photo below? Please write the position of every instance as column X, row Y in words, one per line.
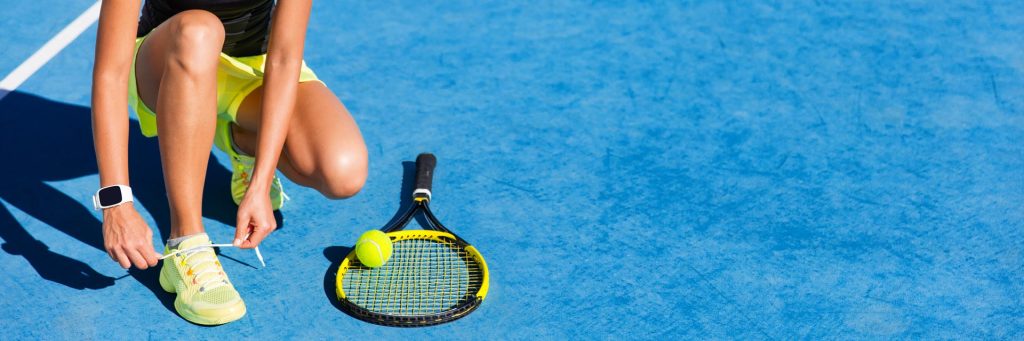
column 246, row 22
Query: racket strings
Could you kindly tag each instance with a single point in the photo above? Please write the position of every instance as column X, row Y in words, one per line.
column 422, row 277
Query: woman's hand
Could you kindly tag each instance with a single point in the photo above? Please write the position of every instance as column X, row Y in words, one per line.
column 255, row 218
column 127, row 238
column 283, row 63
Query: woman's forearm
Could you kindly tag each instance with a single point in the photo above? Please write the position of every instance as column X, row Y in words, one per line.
column 110, row 131
column 115, row 40
column 280, row 85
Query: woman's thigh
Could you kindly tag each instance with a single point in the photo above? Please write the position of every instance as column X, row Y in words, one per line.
column 190, row 41
column 324, row 148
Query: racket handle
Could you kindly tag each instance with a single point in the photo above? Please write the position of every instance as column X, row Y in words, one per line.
column 424, row 176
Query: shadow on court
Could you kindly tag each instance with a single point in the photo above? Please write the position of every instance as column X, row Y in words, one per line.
column 335, row 254
column 44, row 140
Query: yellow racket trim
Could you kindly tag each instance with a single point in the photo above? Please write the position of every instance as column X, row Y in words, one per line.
column 410, row 277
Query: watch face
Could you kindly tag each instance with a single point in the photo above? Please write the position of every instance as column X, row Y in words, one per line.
column 110, row 196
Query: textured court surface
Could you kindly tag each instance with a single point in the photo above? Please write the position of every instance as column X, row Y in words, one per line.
column 654, row 170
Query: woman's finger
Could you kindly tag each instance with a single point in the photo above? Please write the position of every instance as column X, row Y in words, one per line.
column 121, row 258
column 242, row 228
column 256, row 237
column 112, row 254
column 137, row 259
column 151, row 256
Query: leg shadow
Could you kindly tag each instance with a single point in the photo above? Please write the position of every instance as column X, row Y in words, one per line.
column 45, row 141
column 50, row 265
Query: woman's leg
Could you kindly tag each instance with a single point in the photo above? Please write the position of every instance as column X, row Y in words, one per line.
column 176, row 69
column 323, row 150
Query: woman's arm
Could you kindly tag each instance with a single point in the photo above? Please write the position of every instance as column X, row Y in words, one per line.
column 126, row 236
column 280, row 84
column 115, row 43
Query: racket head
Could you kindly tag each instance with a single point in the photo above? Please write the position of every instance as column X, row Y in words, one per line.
column 432, row 277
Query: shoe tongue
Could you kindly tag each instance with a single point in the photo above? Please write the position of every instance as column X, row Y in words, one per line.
column 196, row 240
column 200, row 259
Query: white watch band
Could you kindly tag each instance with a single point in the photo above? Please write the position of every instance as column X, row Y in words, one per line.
column 126, row 196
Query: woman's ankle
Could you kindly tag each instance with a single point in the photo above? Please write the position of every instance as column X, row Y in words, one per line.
column 175, row 241
column 179, row 231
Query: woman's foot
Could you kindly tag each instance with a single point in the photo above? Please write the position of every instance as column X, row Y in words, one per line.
column 241, row 168
column 205, row 295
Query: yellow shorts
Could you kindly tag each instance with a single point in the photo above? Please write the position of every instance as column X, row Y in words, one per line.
column 236, row 78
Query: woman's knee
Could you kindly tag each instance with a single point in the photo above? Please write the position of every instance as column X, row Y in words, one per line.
column 198, row 37
column 343, row 175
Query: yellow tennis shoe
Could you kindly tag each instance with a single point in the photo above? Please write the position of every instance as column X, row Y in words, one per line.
column 205, row 295
column 241, row 169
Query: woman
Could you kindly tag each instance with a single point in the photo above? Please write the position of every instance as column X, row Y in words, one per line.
column 223, row 72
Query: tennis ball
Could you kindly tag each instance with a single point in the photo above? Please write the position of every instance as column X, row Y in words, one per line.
column 373, row 248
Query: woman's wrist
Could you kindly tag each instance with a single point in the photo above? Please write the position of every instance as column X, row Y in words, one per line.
column 260, row 183
column 262, row 175
column 119, row 209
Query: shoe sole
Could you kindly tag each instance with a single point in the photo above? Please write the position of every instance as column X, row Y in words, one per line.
column 229, row 314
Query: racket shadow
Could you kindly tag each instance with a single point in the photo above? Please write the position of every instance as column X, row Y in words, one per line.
column 405, row 194
column 335, row 254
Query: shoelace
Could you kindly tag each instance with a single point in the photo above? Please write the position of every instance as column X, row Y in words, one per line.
column 209, row 276
column 197, row 247
column 212, row 281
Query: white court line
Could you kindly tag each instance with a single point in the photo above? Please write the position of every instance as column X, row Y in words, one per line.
column 50, row 49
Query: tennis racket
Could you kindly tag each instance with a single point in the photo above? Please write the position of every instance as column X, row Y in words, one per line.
column 433, row 276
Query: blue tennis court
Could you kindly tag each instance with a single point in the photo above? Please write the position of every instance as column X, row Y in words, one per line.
column 630, row 170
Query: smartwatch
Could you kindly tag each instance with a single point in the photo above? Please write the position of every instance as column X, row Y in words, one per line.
column 111, row 196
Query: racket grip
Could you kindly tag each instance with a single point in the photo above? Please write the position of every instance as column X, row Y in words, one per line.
column 424, row 175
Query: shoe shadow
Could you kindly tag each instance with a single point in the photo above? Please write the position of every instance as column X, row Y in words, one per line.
column 45, row 141
column 336, row 254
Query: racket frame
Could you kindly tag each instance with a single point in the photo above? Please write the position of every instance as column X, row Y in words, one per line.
column 434, row 231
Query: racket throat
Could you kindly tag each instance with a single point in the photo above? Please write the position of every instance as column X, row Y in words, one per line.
column 421, row 194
